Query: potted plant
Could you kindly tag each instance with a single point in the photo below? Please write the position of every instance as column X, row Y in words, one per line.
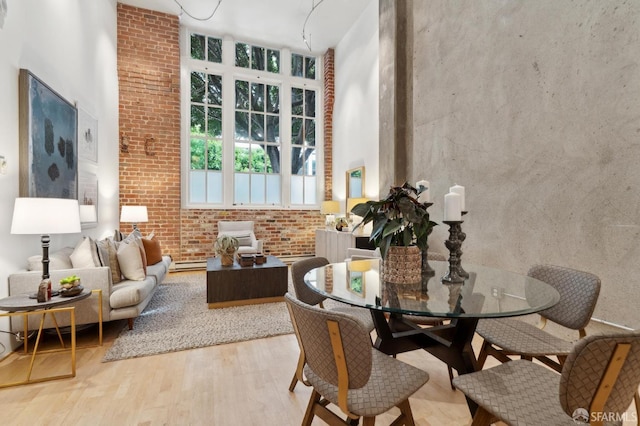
column 226, row 247
column 401, row 227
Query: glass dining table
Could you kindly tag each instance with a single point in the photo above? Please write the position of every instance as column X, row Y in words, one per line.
column 486, row 293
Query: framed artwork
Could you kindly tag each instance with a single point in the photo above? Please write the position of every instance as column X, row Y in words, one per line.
column 88, row 198
column 87, row 136
column 48, row 141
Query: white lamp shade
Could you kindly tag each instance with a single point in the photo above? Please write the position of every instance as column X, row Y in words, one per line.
column 329, row 207
column 134, row 214
column 45, row 216
column 88, row 213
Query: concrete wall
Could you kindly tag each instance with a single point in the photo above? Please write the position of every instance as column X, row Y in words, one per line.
column 533, row 107
column 71, row 46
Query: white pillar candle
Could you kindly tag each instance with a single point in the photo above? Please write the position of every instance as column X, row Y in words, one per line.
column 459, row 190
column 452, row 202
column 425, row 196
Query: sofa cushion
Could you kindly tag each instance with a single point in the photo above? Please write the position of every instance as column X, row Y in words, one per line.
column 57, row 260
column 159, row 270
column 152, row 250
column 85, row 254
column 245, row 238
column 130, row 260
column 109, row 257
column 130, row 293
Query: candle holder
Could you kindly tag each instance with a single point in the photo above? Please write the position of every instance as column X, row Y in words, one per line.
column 427, row 270
column 453, row 245
column 461, row 237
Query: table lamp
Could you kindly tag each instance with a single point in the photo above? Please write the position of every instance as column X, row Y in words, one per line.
column 45, row 216
column 134, row 214
column 328, row 208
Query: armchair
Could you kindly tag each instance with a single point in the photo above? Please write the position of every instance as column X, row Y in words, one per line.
column 243, row 231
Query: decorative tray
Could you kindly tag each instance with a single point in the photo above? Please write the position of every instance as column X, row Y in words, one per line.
column 73, row 291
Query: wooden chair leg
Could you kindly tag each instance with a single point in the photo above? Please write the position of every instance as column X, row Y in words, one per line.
column 406, row 415
column 482, row 418
column 308, row 414
column 368, row 421
column 293, row 383
column 451, row 378
column 130, row 322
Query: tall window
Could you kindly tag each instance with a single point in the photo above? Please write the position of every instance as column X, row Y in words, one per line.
column 248, row 116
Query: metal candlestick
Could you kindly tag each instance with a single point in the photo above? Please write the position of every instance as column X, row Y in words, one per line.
column 461, row 237
column 453, row 244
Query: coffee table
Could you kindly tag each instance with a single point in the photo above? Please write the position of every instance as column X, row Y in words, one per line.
column 245, row 285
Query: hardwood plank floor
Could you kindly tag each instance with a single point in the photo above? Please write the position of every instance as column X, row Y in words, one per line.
column 235, row 384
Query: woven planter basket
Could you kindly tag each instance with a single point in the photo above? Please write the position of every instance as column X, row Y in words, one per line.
column 402, row 265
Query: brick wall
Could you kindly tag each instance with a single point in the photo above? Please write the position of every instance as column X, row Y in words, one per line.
column 149, row 78
column 329, row 91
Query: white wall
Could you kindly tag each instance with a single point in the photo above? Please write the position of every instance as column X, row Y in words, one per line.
column 71, row 46
column 355, row 114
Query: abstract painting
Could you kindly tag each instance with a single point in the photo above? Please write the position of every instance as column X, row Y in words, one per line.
column 48, row 141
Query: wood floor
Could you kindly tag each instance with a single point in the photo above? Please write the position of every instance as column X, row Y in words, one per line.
column 235, row 384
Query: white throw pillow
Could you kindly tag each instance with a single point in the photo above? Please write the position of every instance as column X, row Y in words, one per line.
column 82, row 257
column 57, row 260
column 130, row 260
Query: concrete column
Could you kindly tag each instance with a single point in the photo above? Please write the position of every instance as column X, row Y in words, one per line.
column 396, row 92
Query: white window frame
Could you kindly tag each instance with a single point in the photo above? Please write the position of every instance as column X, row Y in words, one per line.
column 230, row 73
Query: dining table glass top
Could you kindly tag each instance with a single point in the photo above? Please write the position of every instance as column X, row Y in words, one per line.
column 486, row 293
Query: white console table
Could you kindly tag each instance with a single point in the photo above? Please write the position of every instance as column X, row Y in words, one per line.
column 333, row 245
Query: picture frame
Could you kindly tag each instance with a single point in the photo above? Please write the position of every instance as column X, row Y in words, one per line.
column 356, row 283
column 88, row 196
column 48, row 141
column 87, row 136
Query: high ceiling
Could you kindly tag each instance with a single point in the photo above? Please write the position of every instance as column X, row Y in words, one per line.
column 278, row 23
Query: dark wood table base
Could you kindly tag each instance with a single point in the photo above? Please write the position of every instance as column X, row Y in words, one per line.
column 450, row 343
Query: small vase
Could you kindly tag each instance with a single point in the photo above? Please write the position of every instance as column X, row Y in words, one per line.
column 226, row 259
column 402, row 265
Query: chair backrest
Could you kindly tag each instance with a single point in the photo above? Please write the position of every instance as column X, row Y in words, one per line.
column 320, row 344
column 596, row 361
column 578, row 290
column 231, row 226
column 298, row 270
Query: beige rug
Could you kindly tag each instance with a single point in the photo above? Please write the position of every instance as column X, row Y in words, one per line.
column 178, row 318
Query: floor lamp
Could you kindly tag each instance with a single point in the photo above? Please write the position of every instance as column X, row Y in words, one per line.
column 45, row 216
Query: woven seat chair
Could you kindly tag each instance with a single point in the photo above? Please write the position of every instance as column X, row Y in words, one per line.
column 598, row 381
column 508, row 336
column 345, row 370
column 310, row 297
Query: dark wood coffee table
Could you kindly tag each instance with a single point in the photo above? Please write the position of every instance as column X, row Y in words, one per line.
column 245, row 285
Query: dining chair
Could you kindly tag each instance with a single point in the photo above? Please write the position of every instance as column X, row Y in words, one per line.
column 598, row 382
column 345, row 370
column 504, row 337
column 310, row 297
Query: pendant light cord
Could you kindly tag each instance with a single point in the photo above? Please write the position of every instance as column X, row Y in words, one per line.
column 182, row 9
column 304, row 36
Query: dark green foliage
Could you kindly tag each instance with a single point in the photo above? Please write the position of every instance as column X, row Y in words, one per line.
column 398, row 220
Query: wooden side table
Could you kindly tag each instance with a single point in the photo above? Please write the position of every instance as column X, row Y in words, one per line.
column 22, row 305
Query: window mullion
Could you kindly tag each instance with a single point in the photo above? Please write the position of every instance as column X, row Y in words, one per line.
column 228, row 119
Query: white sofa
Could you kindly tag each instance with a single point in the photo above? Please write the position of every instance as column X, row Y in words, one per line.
column 123, row 300
column 243, row 231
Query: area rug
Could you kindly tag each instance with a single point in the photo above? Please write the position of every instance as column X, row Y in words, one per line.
column 178, row 318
